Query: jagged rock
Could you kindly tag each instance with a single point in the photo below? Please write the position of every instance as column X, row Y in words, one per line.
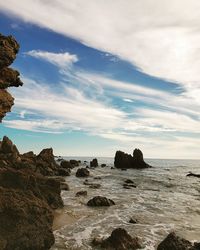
column 81, row 193
column 174, row 242
column 6, row 103
column 66, row 164
column 8, row 77
column 124, row 161
column 82, row 172
column 94, row 163
column 133, row 221
column 118, row 240
column 26, row 207
column 99, row 201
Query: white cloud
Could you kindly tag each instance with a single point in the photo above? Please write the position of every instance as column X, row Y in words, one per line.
column 63, row 60
column 160, row 37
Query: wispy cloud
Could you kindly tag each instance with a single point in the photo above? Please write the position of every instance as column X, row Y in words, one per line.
column 62, row 60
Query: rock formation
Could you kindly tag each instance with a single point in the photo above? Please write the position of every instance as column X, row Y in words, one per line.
column 94, row 163
column 124, row 161
column 118, row 240
column 8, row 76
column 27, row 197
column 174, row 242
column 82, row 172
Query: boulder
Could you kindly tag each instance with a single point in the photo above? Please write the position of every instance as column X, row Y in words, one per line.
column 99, row 201
column 64, row 172
column 118, row 240
column 103, row 165
column 66, row 164
column 94, row 163
column 74, row 163
column 124, row 161
column 81, row 193
column 82, row 172
column 174, row 242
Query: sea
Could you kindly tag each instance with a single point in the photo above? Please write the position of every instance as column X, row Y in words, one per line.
column 164, row 200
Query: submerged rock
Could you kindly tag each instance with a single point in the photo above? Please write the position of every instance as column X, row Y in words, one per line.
column 99, row 201
column 193, row 175
column 81, row 193
column 74, row 163
column 124, row 161
column 66, row 164
column 118, row 240
column 82, row 172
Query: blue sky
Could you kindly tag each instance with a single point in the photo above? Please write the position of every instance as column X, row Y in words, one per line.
column 105, row 76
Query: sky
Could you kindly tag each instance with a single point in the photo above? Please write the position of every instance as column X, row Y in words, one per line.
column 101, row 76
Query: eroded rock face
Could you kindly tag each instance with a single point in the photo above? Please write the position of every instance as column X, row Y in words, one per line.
column 8, row 76
column 118, row 240
column 26, row 212
column 123, row 160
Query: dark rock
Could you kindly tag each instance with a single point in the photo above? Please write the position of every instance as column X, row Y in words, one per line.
column 112, row 168
column 94, row 185
column 103, row 165
column 82, row 172
column 74, row 163
column 81, row 193
column 133, row 221
column 64, row 186
column 26, row 207
column 119, row 240
column 97, row 178
column 193, row 175
column 99, row 201
column 129, row 181
column 94, row 163
column 64, row 172
column 124, row 161
column 66, row 164
column 174, row 242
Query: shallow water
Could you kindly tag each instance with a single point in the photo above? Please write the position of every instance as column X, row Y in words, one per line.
column 164, row 200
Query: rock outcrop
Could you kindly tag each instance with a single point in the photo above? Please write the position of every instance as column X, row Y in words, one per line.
column 8, row 76
column 82, row 172
column 124, row 161
column 174, row 242
column 94, row 163
column 118, row 240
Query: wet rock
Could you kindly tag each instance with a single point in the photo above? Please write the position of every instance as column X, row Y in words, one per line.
column 82, row 172
column 129, row 181
column 133, row 221
column 112, row 168
column 94, row 185
column 64, row 172
column 124, row 161
column 129, row 186
column 97, row 178
column 193, row 175
column 99, row 201
column 94, row 163
column 66, row 164
column 64, row 186
column 74, row 163
column 103, row 165
column 81, row 193
column 118, row 240
column 174, row 242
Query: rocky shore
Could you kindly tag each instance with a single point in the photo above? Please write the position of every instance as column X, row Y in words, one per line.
column 30, row 186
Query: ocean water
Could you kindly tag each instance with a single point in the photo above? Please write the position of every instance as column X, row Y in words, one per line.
column 165, row 200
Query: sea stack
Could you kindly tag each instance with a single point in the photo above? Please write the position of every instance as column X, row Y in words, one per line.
column 124, row 160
